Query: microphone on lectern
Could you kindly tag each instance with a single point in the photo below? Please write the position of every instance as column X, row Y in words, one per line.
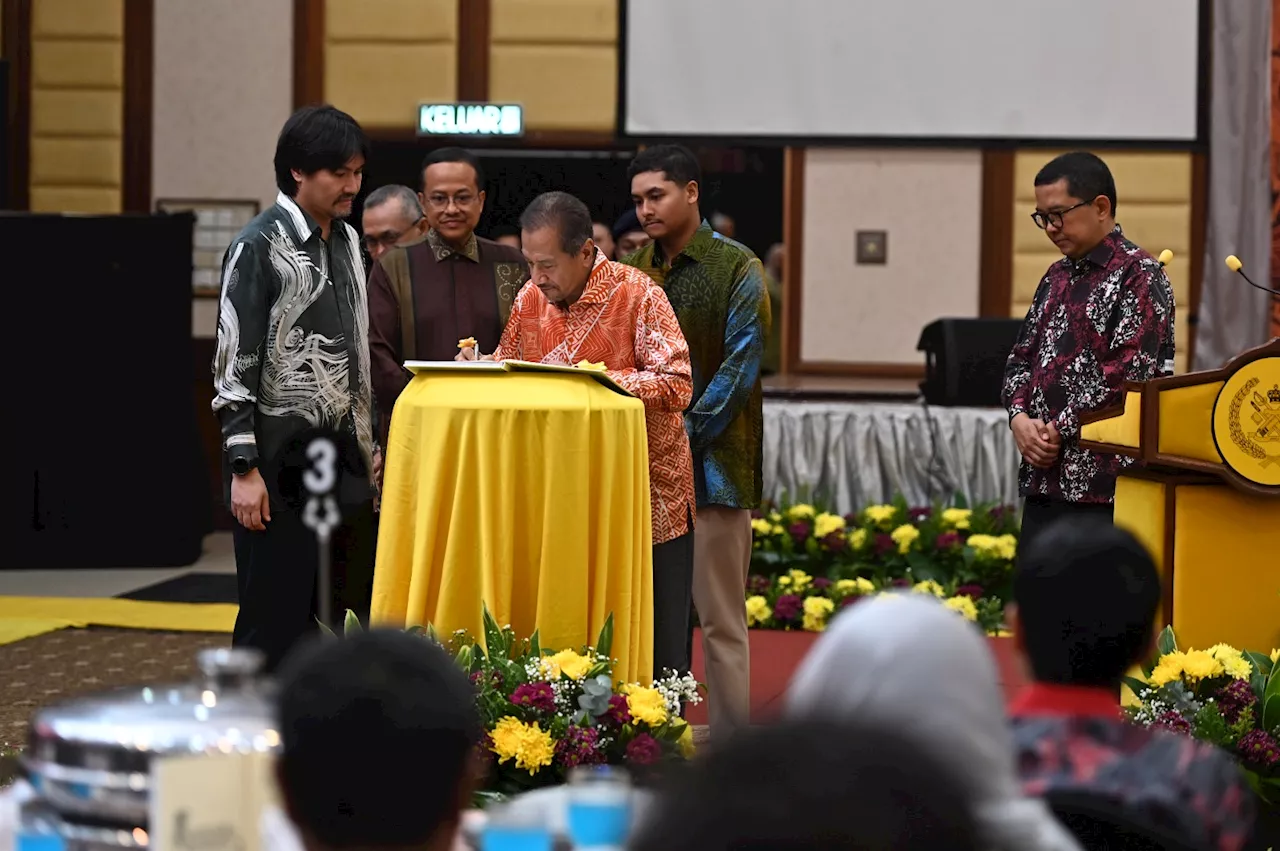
column 1234, row 264
column 1166, row 257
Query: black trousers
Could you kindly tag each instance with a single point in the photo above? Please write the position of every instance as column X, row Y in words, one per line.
column 277, row 572
column 672, row 603
column 1038, row 513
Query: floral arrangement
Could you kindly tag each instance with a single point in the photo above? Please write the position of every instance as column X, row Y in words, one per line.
column 797, row 601
column 811, row 561
column 1224, row 696
column 545, row 712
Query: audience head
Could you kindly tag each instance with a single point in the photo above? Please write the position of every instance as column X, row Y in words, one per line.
column 904, row 661
column 1076, row 202
column 665, row 183
column 452, row 193
column 392, row 215
column 811, row 785
column 555, row 236
column 378, row 734
column 604, row 239
column 1085, row 598
column 320, row 159
column 723, row 223
column 775, row 260
column 628, row 236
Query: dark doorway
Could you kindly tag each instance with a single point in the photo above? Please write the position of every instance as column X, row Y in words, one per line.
column 745, row 183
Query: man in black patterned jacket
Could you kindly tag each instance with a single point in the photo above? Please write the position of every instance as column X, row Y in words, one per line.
column 293, row 355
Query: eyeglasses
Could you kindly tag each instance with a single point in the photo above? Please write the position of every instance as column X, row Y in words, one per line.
column 389, row 239
column 1043, row 220
column 440, row 201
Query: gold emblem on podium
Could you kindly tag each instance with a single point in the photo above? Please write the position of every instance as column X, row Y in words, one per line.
column 1246, row 421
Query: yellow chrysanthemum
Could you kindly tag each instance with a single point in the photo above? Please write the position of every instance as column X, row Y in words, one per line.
column 783, row 581
column 857, row 539
column 646, row 705
column 1233, row 662
column 685, row 742
column 824, row 524
column 1168, row 669
column 1007, row 547
column 528, row 744
column 775, row 529
column 760, row 526
column 930, row 587
column 904, row 536
column 1199, row 665
column 799, row 580
column 572, row 665
column 758, row 611
column 816, row 611
column 800, row 511
column 855, row 586
column 956, row 518
column 964, row 606
column 881, row 515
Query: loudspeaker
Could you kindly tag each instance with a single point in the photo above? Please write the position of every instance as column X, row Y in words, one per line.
column 965, row 359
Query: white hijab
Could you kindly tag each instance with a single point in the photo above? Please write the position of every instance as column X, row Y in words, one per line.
column 905, row 660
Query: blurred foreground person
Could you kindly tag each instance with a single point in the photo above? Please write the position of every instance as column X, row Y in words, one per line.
column 906, row 662
column 812, row 785
column 378, row 735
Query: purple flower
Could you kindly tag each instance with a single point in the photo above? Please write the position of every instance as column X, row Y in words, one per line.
column 850, row 600
column 537, row 696
column 1259, row 749
column 900, row 583
column 580, row 746
column 884, row 544
column 1173, row 722
column 835, row 542
column 851, row 520
column 947, row 540
column 757, row 514
column 800, row 532
column 821, row 583
column 484, row 750
column 644, row 750
column 618, row 713
column 788, row 607
column 1234, row 698
column 759, row 584
column 923, row 512
column 973, row 592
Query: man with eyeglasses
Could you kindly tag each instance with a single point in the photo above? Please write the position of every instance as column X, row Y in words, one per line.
column 392, row 216
column 425, row 298
column 1101, row 316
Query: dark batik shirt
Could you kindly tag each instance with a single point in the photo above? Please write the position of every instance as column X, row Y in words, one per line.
column 1093, row 324
column 293, row 344
column 456, row 294
column 1077, row 745
column 717, row 289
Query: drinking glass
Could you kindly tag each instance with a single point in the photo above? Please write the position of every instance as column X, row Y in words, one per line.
column 598, row 815
column 508, row 829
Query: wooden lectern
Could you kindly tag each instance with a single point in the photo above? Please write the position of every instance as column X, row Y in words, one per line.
column 1205, row 497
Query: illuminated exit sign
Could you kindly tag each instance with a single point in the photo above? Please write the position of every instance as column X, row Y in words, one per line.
column 470, row 119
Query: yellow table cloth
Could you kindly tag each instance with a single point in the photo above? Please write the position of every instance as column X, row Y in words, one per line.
column 529, row 492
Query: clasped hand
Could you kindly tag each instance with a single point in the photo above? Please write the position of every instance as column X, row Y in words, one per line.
column 1038, row 442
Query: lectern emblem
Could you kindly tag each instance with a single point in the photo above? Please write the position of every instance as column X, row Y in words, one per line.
column 1246, row 421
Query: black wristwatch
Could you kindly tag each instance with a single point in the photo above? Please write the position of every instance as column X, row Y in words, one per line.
column 241, row 465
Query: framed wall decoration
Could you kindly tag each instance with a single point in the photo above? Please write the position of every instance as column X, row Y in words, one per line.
column 217, row 223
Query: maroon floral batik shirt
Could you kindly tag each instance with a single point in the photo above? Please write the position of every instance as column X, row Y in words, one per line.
column 1094, row 323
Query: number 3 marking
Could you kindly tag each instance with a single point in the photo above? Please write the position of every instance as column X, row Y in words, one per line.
column 322, row 475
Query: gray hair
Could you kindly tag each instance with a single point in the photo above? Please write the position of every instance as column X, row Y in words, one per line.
column 395, row 192
column 560, row 210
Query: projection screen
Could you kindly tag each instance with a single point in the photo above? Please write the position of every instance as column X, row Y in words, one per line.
column 1116, row 70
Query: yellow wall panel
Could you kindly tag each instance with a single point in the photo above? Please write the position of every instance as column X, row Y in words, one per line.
column 561, row 87
column 78, row 18
column 554, row 21
column 391, row 20
column 65, row 63
column 381, row 85
column 63, row 199
column 75, row 112
column 75, row 162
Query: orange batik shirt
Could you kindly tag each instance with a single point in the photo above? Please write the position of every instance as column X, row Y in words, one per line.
column 624, row 321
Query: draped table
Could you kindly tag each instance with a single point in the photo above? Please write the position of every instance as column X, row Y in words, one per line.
column 525, row 491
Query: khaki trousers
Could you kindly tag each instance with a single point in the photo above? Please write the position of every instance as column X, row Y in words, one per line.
column 721, row 559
